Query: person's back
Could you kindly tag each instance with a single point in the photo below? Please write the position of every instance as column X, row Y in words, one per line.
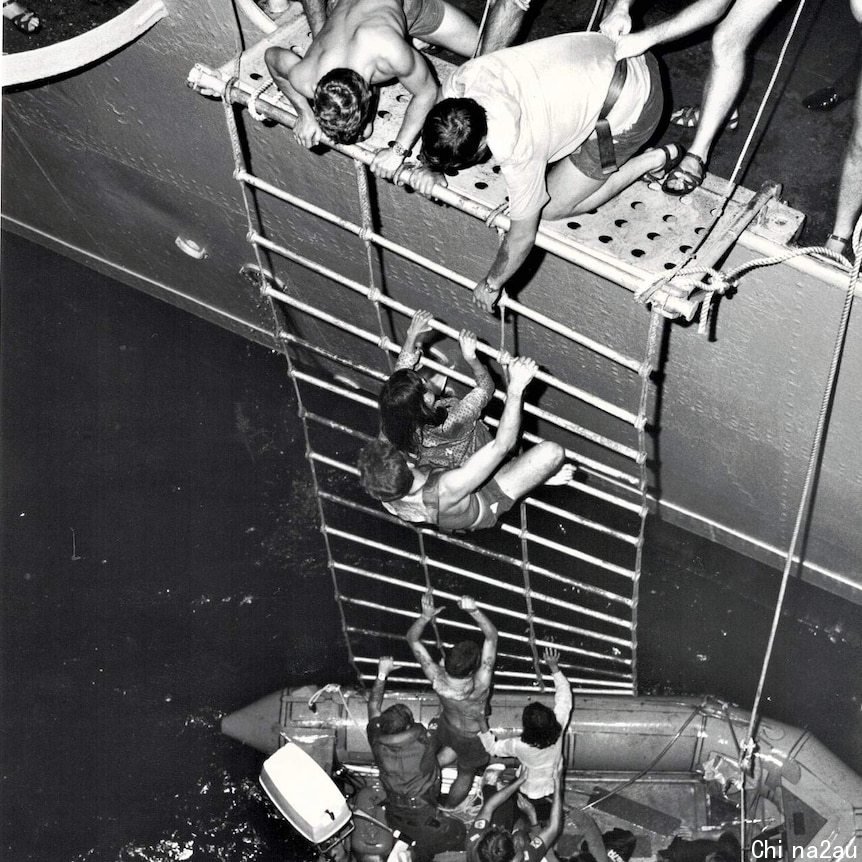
column 356, row 36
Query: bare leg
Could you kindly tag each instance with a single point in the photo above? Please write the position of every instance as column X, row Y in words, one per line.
column 574, row 192
column 446, row 756
column 460, row 787
column 850, row 190
column 457, row 32
column 729, row 48
column 530, row 470
column 504, row 22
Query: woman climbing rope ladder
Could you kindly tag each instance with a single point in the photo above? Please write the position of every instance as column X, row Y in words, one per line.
column 474, row 495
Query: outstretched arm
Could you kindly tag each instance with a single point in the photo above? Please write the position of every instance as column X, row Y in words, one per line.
column 414, row 73
column 591, row 832
column 456, row 484
column 692, row 18
column 495, row 801
column 375, row 703
column 489, row 647
column 513, row 251
column 552, row 831
column 414, row 633
column 420, row 323
column 562, row 688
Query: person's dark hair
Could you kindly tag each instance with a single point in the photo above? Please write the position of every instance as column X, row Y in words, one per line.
column 403, row 411
column 496, row 845
column 463, row 659
column 396, row 719
column 453, row 134
column 541, row 728
column 342, row 103
column 383, row 471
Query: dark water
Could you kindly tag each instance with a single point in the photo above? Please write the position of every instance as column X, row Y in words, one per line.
column 162, row 566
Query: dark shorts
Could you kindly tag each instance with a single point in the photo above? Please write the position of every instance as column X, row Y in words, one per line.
column 467, row 746
column 423, row 16
column 586, row 157
column 491, row 503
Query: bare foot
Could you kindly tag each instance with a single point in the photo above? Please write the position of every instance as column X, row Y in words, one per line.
column 563, row 476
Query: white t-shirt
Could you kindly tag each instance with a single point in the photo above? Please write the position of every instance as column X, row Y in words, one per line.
column 542, row 101
column 540, row 763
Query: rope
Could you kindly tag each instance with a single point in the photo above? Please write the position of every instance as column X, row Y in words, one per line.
column 620, row 787
column 748, row 748
column 597, row 9
column 482, row 23
column 528, row 597
column 423, row 559
column 368, row 228
column 239, row 163
column 649, row 365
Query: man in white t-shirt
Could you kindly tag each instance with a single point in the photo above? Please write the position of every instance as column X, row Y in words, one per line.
column 537, row 105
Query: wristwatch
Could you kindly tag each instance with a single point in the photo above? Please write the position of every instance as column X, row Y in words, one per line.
column 398, row 149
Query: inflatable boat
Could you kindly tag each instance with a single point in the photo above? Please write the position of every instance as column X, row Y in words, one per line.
column 660, row 767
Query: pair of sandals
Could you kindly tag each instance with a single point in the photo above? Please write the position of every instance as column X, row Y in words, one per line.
column 27, row 22
column 675, row 178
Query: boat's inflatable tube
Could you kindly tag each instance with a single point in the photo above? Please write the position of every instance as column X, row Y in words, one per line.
column 820, row 797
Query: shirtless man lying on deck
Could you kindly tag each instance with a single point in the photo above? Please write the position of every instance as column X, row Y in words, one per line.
column 363, row 44
column 463, row 684
column 474, row 495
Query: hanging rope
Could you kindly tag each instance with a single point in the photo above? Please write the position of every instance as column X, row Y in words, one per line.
column 597, row 10
column 650, row 363
column 423, row 560
column 748, row 749
column 239, row 163
column 528, row 597
column 370, row 250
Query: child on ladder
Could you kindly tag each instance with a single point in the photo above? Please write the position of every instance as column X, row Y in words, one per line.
column 434, row 431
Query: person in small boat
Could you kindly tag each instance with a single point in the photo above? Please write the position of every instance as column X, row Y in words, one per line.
column 730, row 44
column 406, row 755
column 434, row 432
column 463, row 684
column 540, row 746
column 363, row 44
column 489, row 843
column 534, row 108
column 476, row 494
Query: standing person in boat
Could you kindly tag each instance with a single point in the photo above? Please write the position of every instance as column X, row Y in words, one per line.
column 463, row 684
column 434, row 432
column 405, row 754
column 535, row 109
column 540, row 746
column 730, row 44
column 363, row 44
column 474, row 495
column 489, row 843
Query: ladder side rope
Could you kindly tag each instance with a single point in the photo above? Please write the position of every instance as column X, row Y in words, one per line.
column 423, row 561
column 650, row 364
column 368, row 227
column 746, row 760
column 239, row 163
column 528, row 597
column 597, row 10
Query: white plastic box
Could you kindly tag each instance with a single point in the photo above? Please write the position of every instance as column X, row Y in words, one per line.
column 305, row 795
